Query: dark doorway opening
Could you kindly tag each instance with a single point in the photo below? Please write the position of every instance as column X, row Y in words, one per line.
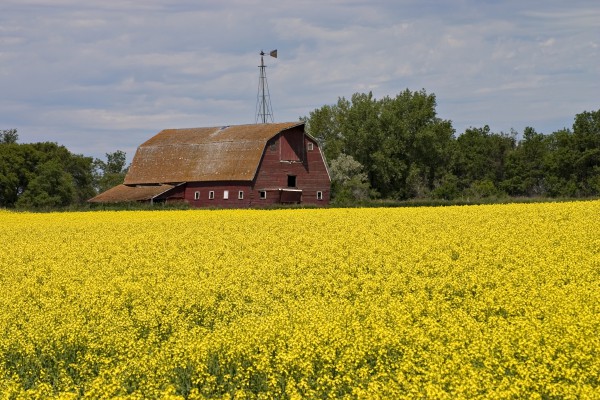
column 291, row 180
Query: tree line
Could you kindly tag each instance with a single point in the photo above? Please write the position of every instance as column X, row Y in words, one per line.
column 390, row 148
column 47, row 175
column 398, row 148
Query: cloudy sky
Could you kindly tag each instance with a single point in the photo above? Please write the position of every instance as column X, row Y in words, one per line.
column 102, row 75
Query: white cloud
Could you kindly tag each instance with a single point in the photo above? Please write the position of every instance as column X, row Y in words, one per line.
column 69, row 69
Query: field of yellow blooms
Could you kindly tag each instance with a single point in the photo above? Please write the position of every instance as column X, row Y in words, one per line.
column 498, row 301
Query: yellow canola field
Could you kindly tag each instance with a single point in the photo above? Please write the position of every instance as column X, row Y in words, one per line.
column 497, row 301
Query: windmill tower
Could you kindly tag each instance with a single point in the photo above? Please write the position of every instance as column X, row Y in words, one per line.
column 264, row 110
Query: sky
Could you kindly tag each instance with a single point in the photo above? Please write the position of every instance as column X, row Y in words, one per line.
column 103, row 75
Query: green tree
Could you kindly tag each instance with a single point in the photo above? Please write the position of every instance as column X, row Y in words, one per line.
column 404, row 147
column 561, row 177
column 50, row 188
column 349, row 183
column 111, row 172
column 422, row 141
column 13, row 180
column 8, row 136
column 447, row 188
column 78, row 166
column 22, row 164
column 481, row 160
column 586, row 139
column 526, row 170
column 324, row 125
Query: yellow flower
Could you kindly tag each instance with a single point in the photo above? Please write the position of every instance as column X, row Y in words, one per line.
column 456, row 302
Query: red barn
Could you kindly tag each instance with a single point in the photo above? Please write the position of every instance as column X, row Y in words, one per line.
column 228, row 166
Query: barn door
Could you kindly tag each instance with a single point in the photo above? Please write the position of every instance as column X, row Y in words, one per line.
column 292, row 146
column 288, row 196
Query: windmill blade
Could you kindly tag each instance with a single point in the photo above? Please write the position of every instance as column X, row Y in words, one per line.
column 273, row 53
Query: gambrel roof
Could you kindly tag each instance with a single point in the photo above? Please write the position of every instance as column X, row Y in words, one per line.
column 227, row 153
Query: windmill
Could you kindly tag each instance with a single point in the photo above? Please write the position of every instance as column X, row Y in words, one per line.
column 264, row 110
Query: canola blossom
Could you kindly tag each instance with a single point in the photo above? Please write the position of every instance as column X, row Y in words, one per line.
column 499, row 301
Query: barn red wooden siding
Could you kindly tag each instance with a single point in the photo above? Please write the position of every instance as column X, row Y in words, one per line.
column 176, row 195
column 272, row 178
column 291, row 146
column 219, row 194
column 309, row 169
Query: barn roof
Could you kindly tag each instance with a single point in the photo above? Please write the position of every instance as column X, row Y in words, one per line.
column 227, row 153
column 124, row 193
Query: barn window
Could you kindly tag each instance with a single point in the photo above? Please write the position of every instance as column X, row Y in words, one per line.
column 291, row 180
column 319, row 195
column 225, row 194
column 273, row 146
column 310, row 146
column 196, row 195
column 211, row 194
column 263, row 194
column 241, row 195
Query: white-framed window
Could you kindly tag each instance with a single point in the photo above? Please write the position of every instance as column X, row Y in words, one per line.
column 211, row 194
column 310, row 146
column 196, row 195
column 241, row 195
column 263, row 194
column 225, row 194
column 319, row 195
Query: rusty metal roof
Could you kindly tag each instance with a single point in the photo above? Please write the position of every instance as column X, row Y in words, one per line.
column 124, row 193
column 227, row 153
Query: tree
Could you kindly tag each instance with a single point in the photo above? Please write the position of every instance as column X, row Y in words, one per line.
column 447, row 188
column 573, row 160
column 481, row 160
column 111, row 172
column 586, row 139
column 402, row 144
column 561, row 179
column 50, row 188
column 30, row 169
column 324, row 125
column 424, row 142
column 526, row 166
column 349, row 183
column 12, row 178
column 8, row 136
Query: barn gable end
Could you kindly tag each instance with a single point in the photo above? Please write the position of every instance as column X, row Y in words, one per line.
column 306, row 172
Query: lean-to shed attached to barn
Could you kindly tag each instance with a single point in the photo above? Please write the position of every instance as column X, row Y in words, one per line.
column 228, row 166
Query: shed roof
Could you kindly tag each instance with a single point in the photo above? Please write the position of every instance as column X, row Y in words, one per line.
column 227, row 153
column 124, row 193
